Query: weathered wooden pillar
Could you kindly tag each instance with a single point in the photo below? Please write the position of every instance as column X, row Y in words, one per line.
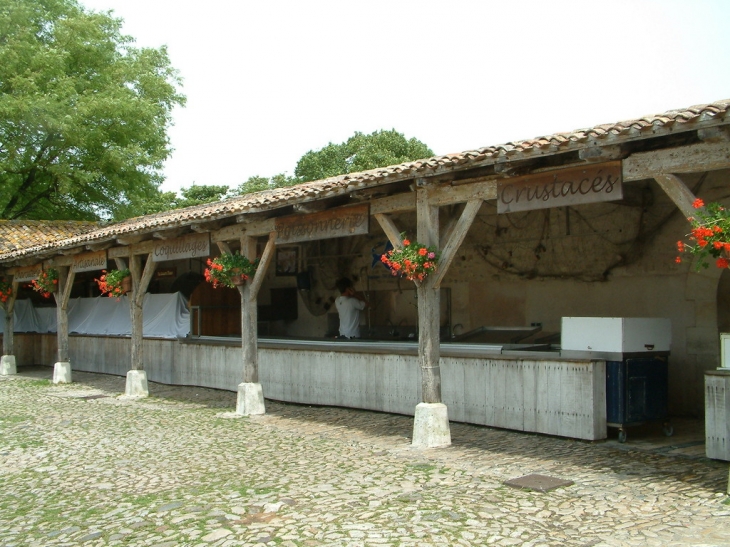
column 7, row 361
column 136, row 385
column 250, row 393
column 431, row 424
column 62, row 367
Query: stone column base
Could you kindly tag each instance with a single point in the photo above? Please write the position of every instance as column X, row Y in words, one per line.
column 62, row 372
column 136, row 384
column 717, row 414
column 250, row 399
column 431, row 426
column 7, row 365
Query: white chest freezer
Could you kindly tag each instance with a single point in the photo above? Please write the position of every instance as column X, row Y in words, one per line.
column 616, row 334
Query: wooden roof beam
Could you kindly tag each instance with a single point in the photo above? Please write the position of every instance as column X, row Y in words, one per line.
column 597, row 154
column 714, row 134
column 696, row 158
column 169, row 234
column 131, row 239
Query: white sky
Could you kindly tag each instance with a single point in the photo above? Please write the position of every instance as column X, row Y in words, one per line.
column 267, row 81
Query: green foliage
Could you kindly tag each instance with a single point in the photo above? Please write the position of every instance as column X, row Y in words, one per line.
column 197, row 194
column 83, row 113
column 360, row 153
column 258, row 184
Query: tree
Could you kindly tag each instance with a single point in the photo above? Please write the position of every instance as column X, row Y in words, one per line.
column 360, row 153
column 83, row 113
column 257, row 184
column 197, row 194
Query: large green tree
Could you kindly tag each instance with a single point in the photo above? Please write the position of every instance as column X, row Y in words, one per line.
column 360, row 153
column 84, row 113
column 197, row 194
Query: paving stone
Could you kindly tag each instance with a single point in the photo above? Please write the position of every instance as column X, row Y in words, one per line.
column 171, row 470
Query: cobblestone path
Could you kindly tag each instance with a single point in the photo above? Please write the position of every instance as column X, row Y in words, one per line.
column 80, row 465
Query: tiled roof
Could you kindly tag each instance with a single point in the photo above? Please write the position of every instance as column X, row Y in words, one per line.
column 674, row 121
column 21, row 234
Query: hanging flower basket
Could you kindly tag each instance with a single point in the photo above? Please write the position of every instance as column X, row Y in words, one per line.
column 115, row 283
column 6, row 289
column 414, row 261
column 47, row 282
column 710, row 235
column 230, row 270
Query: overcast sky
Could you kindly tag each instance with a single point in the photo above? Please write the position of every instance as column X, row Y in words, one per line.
column 267, row 81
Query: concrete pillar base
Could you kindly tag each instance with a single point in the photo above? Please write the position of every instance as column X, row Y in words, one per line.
column 250, row 399
column 7, row 365
column 62, row 372
column 431, row 426
column 136, row 384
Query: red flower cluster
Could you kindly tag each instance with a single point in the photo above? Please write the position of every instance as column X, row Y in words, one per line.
column 414, row 261
column 46, row 283
column 6, row 290
column 225, row 270
column 710, row 234
column 110, row 283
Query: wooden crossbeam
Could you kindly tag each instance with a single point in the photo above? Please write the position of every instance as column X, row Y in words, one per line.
column 678, row 192
column 455, row 240
column 266, row 258
column 390, row 229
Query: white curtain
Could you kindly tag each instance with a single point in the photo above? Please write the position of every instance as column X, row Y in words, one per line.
column 164, row 316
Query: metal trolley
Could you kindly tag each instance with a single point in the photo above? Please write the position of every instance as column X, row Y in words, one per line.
column 637, row 393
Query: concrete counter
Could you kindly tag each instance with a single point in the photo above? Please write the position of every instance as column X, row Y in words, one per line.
column 521, row 390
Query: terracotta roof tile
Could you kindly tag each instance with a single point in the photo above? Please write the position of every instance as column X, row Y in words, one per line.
column 21, row 234
column 685, row 119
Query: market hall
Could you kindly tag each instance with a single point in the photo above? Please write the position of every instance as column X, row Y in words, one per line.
column 533, row 237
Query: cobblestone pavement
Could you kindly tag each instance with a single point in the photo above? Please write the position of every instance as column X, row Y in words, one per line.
column 80, row 465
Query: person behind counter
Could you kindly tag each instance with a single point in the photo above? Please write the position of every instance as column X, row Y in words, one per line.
column 348, row 305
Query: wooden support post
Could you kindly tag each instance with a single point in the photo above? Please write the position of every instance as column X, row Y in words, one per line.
column 9, row 307
column 140, row 282
column 7, row 361
column 137, row 377
column 250, row 394
column 431, row 422
column 428, row 306
column 62, row 367
column 249, row 319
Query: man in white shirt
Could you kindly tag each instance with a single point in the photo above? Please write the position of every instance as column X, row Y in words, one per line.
column 348, row 305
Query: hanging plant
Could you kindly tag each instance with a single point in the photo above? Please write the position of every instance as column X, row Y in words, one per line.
column 230, row 270
column 6, row 289
column 115, row 283
column 710, row 235
column 414, row 261
column 47, row 282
